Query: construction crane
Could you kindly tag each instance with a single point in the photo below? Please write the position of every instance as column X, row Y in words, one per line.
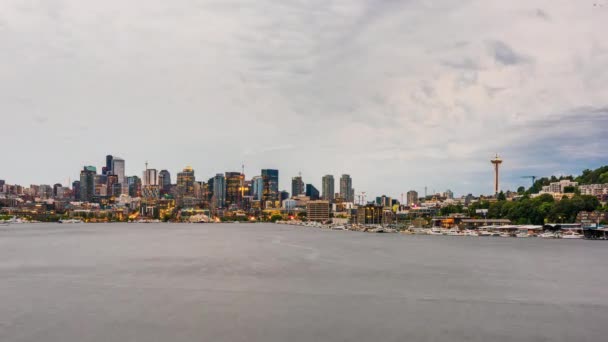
column 533, row 178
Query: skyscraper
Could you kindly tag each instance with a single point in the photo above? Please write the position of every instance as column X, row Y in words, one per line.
column 328, row 188
column 185, row 181
column 150, row 177
column 297, row 186
column 118, row 168
column 271, row 186
column 76, row 190
column 134, row 184
column 87, row 183
column 164, row 180
column 257, row 187
column 412, row 198
column 233, row 188
column 108, row 168
column 312, row 192
column 219, row 190
column 346, row 188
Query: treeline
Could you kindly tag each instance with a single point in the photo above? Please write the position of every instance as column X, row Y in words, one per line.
column 538, row 210
column 597, row 176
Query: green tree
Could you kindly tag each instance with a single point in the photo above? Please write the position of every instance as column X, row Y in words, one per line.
column 521, row 190
column 501, row 196
column 275, row 218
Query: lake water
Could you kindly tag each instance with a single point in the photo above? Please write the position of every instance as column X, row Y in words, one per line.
column 264, row 282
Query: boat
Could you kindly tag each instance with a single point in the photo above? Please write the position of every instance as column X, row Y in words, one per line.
column 522, row 235
column 548, row 235
column 470, row 232
column 70, row 221
column 484, row 233
column 572, row 235
column 505, row 234
column 435, row 231
column 454, row 232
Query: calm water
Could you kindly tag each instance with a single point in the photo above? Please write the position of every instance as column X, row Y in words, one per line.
column 231, row 282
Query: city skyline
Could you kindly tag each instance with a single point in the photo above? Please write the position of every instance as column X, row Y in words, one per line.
column 400, row 95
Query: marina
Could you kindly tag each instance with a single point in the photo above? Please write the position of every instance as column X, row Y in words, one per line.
column 271, row 282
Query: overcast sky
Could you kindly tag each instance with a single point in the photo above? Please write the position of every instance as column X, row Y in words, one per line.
column 399, row 94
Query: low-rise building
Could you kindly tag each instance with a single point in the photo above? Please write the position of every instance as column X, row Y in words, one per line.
column 317, row 211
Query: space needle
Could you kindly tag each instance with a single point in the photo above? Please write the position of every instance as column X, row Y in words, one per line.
column 496, row 162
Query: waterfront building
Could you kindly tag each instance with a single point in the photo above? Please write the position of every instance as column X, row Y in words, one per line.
column 312, row 192
column 347, row 192
column 317, row 211
column 185, row 181
column 412, row 198
column 270, row 193
column 327, row 188
column 219, row 191
column 234, row 182
column 559, row 187
column 87, row 183
column 370, row 214
column 297, row 186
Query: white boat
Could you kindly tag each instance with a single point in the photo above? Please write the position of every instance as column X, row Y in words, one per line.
column 572, row 235
column 469, row 232
column 505, row 235
column 522, row 235
column 484, row 233
column 435, row 231
column 548, row 235
column 455, row 232
column 70, row 221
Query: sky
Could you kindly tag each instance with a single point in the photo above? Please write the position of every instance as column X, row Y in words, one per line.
column 398, row 94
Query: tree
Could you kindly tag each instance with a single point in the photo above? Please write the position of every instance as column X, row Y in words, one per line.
column 501, row 196
column 521, row 190
column 276, row 217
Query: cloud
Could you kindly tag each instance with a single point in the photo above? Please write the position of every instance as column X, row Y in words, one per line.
column 399, row 94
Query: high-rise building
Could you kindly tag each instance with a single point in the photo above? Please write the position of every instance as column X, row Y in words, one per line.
column 297, row 186
column 312, row 192
column 87, row 183
column 412, row 198
column 346, row 188
column 449, row 194
column 185, row 181
column 118, row 168
column 328, row 188
column 134, row 183
column 112, row 180
column 219, row 190
column 257, row 188
column 233, row 188
column 76, row 190
column 55, row 188
column 108, row 168
column 150, row 177
column 271, row 186
column 164, row 180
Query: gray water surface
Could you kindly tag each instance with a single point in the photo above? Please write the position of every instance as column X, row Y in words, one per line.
column 264, row 282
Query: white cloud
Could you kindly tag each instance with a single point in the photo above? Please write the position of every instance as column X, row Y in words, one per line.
column 400, row 94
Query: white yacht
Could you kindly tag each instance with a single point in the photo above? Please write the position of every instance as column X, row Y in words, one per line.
column 70, row 221
column 572, row 235
column 522, row 235
column 470, row 232
column 485, row 233
column 548, row 235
